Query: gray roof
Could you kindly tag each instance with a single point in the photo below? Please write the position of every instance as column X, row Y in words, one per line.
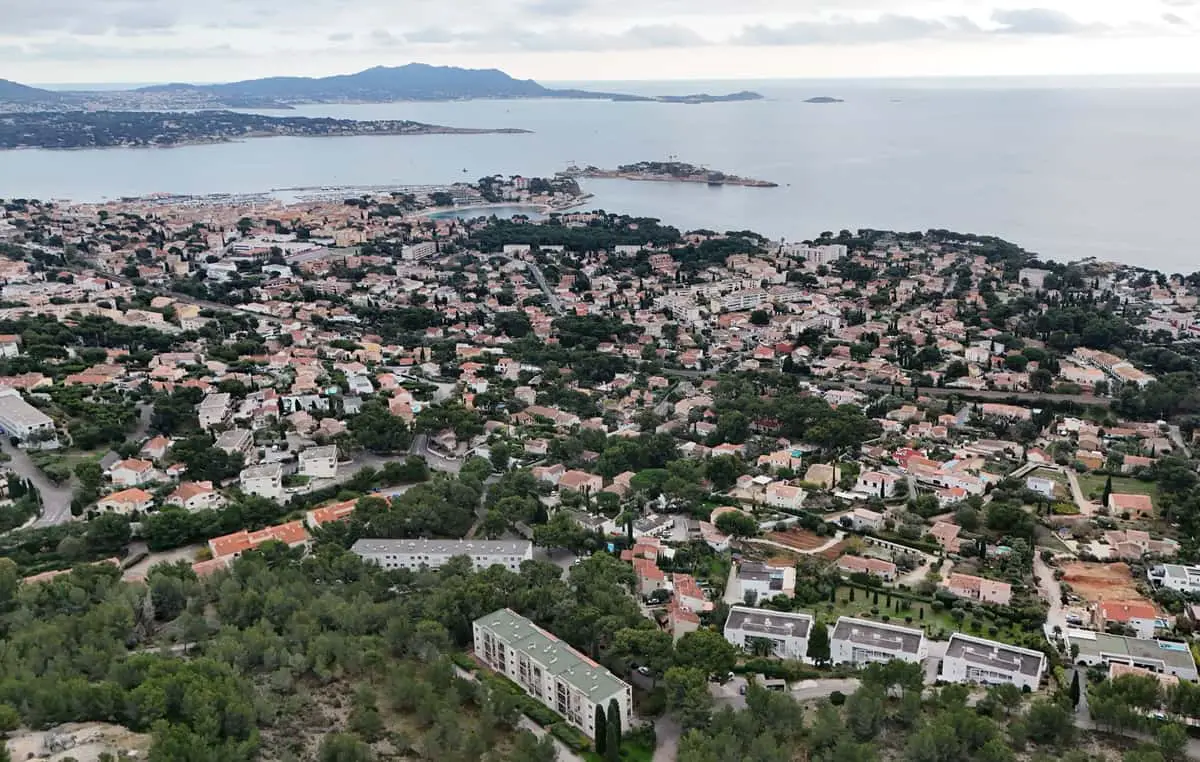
column 998, row 656
column 453, row 547
column 878, row 635
column 757, row 572
column 763, row 622
column 653, row 522
column 558, row 658
column 264, row 470
column 1100, row 644
column 327, row 451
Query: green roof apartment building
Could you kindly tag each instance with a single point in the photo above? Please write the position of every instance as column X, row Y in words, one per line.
column 551, row 671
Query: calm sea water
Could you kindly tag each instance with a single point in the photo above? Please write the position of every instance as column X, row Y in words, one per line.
column 1070, row 169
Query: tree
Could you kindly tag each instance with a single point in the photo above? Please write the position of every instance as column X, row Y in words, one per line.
column 759, row 317
column 688, row 697
column 818, row 643
column 612, row 744
column 1075, row 690
column 1172, row 741
column 707, row 651
column 1107, row 491
column 737, row 524
column 343, row 747
column 108, row 533
column 1049, row 723
column 499, row 454
column 600, row 731
column 645, row 646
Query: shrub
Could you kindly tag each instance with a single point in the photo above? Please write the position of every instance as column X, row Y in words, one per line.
column 837, row 698
column 463, row 661
column 573, row 739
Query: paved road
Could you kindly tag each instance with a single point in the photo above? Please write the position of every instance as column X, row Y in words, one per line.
column 56, row 500
column 555, row 302
column 1086, row 507
column 667, row 731
column 1051, row 592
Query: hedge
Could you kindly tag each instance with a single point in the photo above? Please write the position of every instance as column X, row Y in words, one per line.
column 573, row 739
column 464, row 661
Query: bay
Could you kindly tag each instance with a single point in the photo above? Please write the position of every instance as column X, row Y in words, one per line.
column 1068, row 168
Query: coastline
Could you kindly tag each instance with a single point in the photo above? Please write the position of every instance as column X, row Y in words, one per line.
column 221, row 140
column 544, row 209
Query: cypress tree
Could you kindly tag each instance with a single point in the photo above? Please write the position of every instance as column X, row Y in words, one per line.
column 612, row 746
column 601, row 731
column 1075, row 690
column 1107, row 491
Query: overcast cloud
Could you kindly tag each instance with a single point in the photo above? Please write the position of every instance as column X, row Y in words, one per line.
column 217, row 40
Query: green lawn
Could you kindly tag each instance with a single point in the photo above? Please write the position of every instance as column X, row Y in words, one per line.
column 864, row 601
column 1093, row 486
column 937, row 624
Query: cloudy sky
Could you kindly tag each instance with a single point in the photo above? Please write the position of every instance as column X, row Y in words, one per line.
column 76, row 41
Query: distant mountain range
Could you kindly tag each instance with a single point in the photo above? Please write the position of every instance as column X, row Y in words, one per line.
column 412, row 82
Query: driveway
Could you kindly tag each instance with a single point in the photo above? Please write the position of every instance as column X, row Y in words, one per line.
column 667, row 731
column 1051, row 592
column 1086, row 507
column 56, row 500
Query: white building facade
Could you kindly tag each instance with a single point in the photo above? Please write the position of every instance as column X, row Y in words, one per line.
column 787, row 631
column 986, row 662
column 859, row 642
column 550, row 671
column 433, row 554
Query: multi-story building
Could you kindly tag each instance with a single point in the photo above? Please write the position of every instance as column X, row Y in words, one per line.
column 319, row 462
column 1159, row 656
column 24, row 421
column 413, row 554
column 766, row 581
column 213, row 410
column 549, row 670
column 986, row 662
column 786, row 631
column 265, row 480
column 858, row 641
column 1185, row 579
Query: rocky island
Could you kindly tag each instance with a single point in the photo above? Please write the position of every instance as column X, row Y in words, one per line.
column 823, row 99
column 667, row 171
column 136, row 129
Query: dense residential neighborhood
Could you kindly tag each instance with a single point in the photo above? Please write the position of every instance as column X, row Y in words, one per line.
column 624, row 476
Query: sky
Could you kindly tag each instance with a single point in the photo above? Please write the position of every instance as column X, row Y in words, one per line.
column 143, row 41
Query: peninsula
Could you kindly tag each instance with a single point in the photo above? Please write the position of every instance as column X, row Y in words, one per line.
column 134, row 129
column 381, row 84
column 668, row 172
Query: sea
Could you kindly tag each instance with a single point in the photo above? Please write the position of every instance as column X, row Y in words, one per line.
column 1069, row 168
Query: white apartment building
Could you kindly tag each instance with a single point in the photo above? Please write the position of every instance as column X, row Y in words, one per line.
column 549, row 670
column 741, row 300
column 264, row 480
column 787, row 631
column 24, row 421
column 986, row 662
column 859, row 641
column 319, row 462
column 415, row 252
column 213, row 410
column 1185, row 579
column 817, row 255
column 413, row 554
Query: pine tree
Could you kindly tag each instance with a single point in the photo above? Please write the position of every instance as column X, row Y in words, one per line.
column 600, row 731
column 612, row 745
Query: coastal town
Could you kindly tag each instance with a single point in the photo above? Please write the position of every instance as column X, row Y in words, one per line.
column 860, row 469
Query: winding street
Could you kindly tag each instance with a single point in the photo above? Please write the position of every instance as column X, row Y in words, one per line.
column 56, row 499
